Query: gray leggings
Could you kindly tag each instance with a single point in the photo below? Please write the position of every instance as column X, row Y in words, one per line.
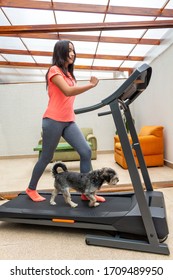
column 52, row 131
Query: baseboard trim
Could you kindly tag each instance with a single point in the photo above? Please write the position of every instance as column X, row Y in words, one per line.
column 18, row 157
column 105, row 152
column 36, row 155
column 168, row 163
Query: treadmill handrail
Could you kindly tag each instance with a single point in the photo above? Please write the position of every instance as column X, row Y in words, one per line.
column 129, row 90
column 89, row 108
column 104, row 113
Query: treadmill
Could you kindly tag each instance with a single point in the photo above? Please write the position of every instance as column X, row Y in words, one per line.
column 133, row 220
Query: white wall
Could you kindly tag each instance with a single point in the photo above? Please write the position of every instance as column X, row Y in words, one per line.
column 22, row 107
column 155, row 105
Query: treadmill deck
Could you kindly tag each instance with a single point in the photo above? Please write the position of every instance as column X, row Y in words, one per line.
column 120, row 212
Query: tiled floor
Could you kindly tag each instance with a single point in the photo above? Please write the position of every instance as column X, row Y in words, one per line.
column 19, row 241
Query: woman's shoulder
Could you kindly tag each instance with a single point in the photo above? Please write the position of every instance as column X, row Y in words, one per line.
column 55, row 68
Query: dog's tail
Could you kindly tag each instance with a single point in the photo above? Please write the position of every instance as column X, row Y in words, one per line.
column 55, row 167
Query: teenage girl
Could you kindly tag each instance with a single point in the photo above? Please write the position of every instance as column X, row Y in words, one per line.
column 59, row 117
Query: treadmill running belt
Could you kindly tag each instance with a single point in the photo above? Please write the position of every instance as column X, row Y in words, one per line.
column 24, row 207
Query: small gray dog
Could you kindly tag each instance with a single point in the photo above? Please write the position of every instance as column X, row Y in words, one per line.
column 86, row 183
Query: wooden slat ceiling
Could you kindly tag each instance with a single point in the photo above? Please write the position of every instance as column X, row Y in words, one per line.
column 159, row 17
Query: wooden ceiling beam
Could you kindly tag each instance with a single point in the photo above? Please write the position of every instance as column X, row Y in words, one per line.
column 83, row 38
column 46, row 65
column 138, row 11
column 87, row 8
column 80, row 55
column 109, row 39
column 47, row 28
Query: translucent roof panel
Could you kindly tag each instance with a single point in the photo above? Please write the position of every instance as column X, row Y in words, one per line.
column 85, row 47
column 42, row 59
column 3, row 19
column 114, row 49
column 124, row 33
column 122, row 18
column 73, row 17
column 107, row 63
column 39, row 44
column 99, row 48
column 130, row 64
column 155, row 33
column 97, row 2
column 137, row 3
column 11, row 43
column 80, row 61
column 2, row 58
column 29, row 16
column 141, row 50
column 169, row 5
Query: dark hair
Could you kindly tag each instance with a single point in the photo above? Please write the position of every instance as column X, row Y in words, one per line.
column 60, row 55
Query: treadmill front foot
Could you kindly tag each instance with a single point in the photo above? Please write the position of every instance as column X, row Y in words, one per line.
column 128, row 244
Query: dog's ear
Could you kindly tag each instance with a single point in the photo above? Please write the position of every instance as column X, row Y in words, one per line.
column 107, row 178
column 108, row 174
column 103, row 174
column 105, row 171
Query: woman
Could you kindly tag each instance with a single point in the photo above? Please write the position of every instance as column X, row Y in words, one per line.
column 59, row 117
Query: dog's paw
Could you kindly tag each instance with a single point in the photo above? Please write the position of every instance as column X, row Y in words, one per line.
column 52, row 202
column 74, row 204
column 95, row 204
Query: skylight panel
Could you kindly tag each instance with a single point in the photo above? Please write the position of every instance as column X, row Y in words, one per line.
column 169, row 5
column 11, row 43
column 18, row 58
column 137, row 3
column 1, row 58
column 114, row 49
column 29, row 16
column 83, row 61
column 84, row 33
column 103, row 74
column 31, row 72
column 98, row 2
column 19, row 16
column 124, row 33
column 155, row 33
column 3, row 19
column 163, row 18
column 107, row 63
column 10, row 71
column 85, row 47
column 74, row 17
column 141, row 50
column 39, row 44
column 85, row 75
column 43, row 59
column 126, row 18
column 131, row 64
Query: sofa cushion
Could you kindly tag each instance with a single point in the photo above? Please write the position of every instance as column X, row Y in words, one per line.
column 61, row 146
column 151, row 130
